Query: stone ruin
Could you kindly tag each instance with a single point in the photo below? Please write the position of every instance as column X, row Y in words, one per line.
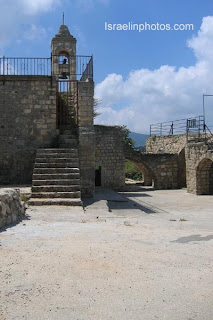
column 48, row 137
column 47, row 133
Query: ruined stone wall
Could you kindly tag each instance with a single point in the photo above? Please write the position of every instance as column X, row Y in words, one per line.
column 199, row 162
column 166, row 144
column 87, row 160
column 162, row 169
column 109, row 155
column 86, row 137
column 85, row 103
column 11, row 207
column 27, row 122
column 174, row 144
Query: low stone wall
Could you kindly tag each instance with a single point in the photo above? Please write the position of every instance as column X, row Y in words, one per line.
column 109, row 155
column 11, row 207
column 166, row 144
column 161, row 170
column 199, row 169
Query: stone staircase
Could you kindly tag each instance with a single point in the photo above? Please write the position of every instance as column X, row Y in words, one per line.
column 56, row 176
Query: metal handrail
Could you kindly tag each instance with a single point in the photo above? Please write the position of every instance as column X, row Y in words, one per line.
column 11, row 66
column 25, row 66
column 182, row 126
column 208, row 137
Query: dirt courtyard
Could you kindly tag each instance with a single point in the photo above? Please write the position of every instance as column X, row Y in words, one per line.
column 136, row 255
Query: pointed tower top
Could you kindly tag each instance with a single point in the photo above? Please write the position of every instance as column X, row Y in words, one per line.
column 64, row 33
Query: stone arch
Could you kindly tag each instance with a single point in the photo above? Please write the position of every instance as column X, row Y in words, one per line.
column 62, row 56
column 62, row 49
column 204, row 177
column 182, row 168
column 146, row 172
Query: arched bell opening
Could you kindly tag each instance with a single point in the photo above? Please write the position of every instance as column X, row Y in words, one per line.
column 64, row 65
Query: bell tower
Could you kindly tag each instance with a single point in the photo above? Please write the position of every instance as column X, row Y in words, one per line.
column 63, row 51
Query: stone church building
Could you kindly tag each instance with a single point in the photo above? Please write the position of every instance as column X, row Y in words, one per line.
column 48, row 137
column 47, row 134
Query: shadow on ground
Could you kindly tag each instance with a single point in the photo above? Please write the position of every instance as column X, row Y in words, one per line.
column 193, row 238
column 121, row 200
column 13, row 224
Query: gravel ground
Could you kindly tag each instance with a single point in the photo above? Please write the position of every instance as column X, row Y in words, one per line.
column 135, row 255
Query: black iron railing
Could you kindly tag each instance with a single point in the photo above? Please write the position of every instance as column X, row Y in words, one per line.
column 25, row 66
column 80, row 66
column 88, row 71
column 208, row 137
column 176, row 127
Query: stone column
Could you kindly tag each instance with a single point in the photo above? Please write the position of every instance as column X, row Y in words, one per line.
column 86, row 137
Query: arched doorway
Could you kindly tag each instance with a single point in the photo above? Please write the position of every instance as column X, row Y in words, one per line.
column 182, row 169
column 204, row 177
column 147, row 177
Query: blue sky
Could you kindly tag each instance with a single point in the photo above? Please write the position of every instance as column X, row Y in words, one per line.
column 140, row 78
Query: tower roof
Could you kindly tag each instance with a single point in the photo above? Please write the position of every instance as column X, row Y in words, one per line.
column 64, row 33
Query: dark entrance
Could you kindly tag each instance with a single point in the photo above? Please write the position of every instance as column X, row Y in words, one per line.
column 204, row 177
column 66, row 104
column 182, row 169
column 97, row 176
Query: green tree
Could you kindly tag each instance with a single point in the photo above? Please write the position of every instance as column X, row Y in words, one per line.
column 127, row 139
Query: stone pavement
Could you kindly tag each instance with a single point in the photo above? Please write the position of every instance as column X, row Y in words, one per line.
column 139, row 255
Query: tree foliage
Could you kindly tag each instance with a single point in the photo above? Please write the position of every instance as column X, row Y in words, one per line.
column 132, row 172
column 128, row 140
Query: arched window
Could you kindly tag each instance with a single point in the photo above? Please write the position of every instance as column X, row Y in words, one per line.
column 63, row 58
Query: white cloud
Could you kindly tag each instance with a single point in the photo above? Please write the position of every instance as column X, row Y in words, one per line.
column 88, row 4
column 15, row 14
column 36, row 6
column 35, row 33
column 150, row 96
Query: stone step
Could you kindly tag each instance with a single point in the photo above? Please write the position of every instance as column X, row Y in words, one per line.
column 56, row 176
column 57, row 160
column 73, row 155
column 56, row 165
column 57, row 150
column 55, row 170
column 53, row 195
column 69, row 132
column 68, row 138
column 56, row 188
column 66, row 144
column 55, row 202
column 63, row 182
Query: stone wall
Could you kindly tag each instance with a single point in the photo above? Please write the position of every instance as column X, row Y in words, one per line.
column 199, row 168
column 166, row 144
column 87, row 160
column 109, row 155
column 11, row 207
column 174, row 144
column 161, row 169
column 27, row 122
column 86, row 137
column 85, row 103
